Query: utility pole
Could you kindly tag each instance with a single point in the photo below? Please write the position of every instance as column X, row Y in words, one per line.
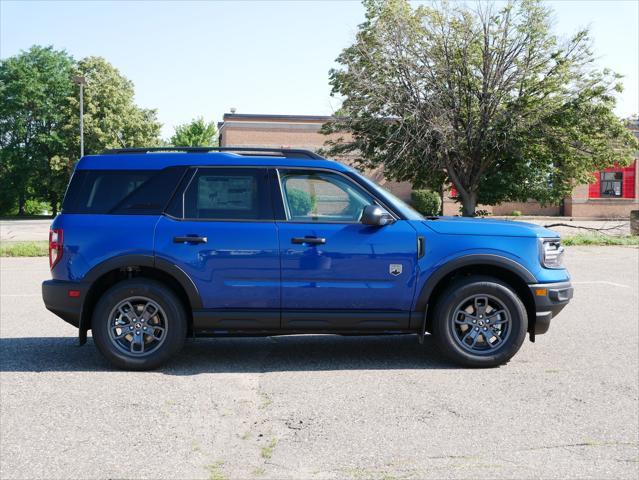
column 79, row 80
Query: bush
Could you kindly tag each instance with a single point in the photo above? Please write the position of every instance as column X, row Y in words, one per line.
column 426, row 202
column 516, row 213
column 36, row 207
column 300, row 203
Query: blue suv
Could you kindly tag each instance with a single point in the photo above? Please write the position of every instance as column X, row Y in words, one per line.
column 155, row 245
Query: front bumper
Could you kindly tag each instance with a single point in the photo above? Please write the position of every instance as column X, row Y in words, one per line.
column 550, row 299
column 55, row 294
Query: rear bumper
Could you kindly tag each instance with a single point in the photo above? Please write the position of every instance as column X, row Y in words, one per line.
column 550, row 299
column 55, row 294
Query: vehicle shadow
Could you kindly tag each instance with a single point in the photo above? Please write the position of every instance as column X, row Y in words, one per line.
column 236, row 355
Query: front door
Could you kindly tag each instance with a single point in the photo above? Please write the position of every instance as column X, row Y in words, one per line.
column 338, row 274
column 220, row 231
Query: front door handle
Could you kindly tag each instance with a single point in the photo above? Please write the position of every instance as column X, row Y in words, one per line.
column 190, row 239
column 308, row 240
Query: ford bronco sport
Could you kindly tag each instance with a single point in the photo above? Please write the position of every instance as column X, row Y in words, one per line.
column 153, row 245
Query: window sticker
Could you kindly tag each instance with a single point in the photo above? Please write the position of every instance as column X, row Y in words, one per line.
column 226, row 193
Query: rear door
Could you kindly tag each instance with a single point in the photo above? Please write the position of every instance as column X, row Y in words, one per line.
column 220, row 231
column 338, row 274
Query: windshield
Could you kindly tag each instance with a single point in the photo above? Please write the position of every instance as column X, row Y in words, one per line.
column 406, row 210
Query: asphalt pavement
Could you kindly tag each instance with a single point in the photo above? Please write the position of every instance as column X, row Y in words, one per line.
column 321, row 407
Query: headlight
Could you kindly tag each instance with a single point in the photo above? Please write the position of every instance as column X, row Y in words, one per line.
column 552, row 253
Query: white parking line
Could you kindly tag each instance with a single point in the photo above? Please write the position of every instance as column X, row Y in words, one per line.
column 601, row 282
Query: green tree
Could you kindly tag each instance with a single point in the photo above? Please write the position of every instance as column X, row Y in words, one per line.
column 34, row 85
column 39, row 121
column 490, row 101
column 196, row 133
column 111, row 117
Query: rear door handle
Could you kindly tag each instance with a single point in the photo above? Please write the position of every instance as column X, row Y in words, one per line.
column 190, row 239
column 308, row 240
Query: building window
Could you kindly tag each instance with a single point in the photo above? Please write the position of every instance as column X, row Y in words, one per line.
column 611, row 183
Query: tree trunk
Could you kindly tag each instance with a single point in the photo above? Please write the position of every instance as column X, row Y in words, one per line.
column 21, row 202
column 53, row 200
column 469, row 203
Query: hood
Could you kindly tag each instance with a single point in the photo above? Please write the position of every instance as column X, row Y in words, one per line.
column 485, row 226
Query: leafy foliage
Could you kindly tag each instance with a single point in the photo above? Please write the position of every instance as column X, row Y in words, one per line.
column 490, row 101
column 39, row 121
column 111, row 118
column 36, row 207
column 426, row 202
column 196, row 133
column 300, row 202
column 34, row 87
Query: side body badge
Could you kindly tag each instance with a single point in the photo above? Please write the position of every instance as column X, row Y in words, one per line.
column 395, row 269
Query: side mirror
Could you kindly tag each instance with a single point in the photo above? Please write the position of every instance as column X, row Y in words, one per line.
column 376, row 216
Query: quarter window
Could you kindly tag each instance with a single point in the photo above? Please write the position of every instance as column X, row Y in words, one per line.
column 322, row 197
column 611, row 184
column 109, row 191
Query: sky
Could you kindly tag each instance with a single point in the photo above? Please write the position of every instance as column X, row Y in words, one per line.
column 190, row 59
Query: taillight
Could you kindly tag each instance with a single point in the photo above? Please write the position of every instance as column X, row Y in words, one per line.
column 56, row 242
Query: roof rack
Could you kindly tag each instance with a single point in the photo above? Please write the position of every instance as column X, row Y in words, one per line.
column 247, row 151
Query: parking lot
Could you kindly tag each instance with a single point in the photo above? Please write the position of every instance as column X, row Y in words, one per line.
column 326, row 406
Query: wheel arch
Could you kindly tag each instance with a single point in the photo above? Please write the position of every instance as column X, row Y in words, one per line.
column 108, row 273
column 502, row 268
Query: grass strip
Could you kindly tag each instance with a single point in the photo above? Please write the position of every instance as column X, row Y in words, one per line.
column 24, row 249
column 600, row 239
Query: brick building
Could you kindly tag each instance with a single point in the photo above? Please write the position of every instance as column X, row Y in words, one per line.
column 614, row 194
column 289, row 131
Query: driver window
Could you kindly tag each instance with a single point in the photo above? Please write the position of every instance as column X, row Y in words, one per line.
column 322, row 197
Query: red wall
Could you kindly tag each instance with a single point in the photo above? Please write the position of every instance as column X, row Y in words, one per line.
column 628, row 187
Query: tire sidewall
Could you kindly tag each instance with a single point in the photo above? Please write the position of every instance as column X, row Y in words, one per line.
column 176, row 323
column 459, row 291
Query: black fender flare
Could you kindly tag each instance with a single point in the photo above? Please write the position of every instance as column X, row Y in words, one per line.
column 468, row 261
column 141, row 260
column 138, row 260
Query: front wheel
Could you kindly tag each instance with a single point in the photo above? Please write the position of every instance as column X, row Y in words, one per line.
column 479, row 322
column 138, row 324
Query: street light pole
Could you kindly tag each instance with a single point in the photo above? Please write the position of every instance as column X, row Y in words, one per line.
column 79, row 80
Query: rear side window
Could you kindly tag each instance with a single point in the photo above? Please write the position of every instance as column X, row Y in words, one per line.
column 132, row 192
column 225, row 194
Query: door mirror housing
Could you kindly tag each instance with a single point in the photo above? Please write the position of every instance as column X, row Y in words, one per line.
column 376, row 216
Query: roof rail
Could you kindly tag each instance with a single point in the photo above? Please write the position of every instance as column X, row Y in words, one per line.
column 247, row 151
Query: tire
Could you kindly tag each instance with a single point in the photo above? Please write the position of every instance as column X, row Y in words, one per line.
column 139, row 305
column 458, row 323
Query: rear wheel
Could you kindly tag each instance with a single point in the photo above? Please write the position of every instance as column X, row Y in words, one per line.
column 138, row 324
column 479, row 322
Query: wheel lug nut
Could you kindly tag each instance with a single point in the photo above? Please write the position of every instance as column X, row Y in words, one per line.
column 474, row 321
column 477, row 329
column 144, row 328
column 485, row 328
